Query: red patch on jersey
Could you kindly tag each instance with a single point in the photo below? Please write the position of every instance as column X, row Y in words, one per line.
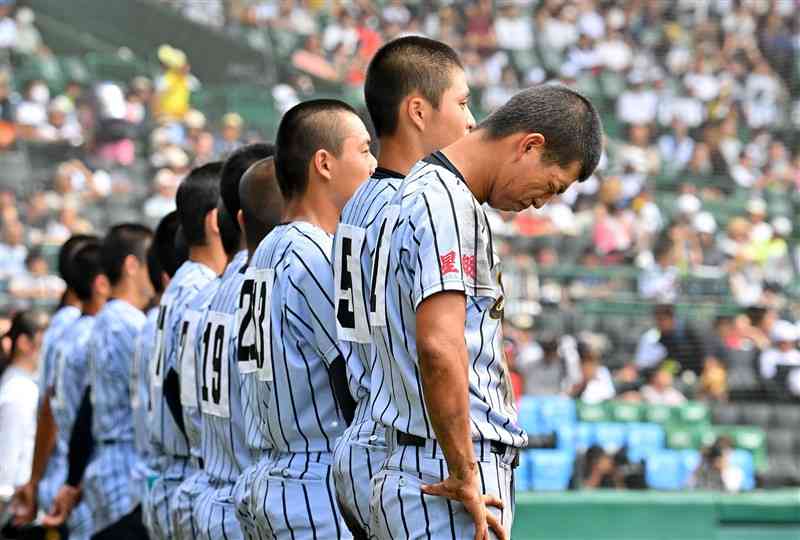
column 448, row 262
column 468, row 264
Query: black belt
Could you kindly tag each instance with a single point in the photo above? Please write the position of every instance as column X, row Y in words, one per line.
column 495, row 447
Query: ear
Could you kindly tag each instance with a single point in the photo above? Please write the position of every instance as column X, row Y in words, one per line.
column 416, row 109
column 322, row 163
column 211, row 223
column 164, row 280
column 131, row 265
column 101, row 286
column 240, row 219
column 530, row 142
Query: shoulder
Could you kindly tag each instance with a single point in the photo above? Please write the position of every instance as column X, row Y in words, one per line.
column 307, row 247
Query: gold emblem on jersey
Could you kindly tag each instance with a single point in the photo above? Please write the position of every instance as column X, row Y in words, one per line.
column 496, row 311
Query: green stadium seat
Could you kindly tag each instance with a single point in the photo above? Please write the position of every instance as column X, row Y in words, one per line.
column 624, row 411
column 592, row 412
column 694, row 412
column 659, row 414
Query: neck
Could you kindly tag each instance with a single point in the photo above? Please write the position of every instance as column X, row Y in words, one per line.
column 315, row 207
column 127, row 291
column 25, row 363
column 71, row 299
column 92, row 306
column 207, row 255
column 400, row 153
column 477, row 159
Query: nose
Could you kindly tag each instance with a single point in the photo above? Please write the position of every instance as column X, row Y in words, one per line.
column 470, row 120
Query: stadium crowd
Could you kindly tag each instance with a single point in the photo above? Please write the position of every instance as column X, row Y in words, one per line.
column 698, row 185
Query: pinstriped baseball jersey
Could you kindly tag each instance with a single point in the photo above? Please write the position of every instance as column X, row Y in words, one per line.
column 255, row 386
column 139, row 389
column 51, row 340
column 352, row 265
column 68, row 382
column 224, row 449
column 436, row 237
column 189, row 376
column 294, row 280
column 110, row 350
column 165, row 435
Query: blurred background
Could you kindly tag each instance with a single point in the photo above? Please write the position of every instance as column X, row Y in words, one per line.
column 651, row 311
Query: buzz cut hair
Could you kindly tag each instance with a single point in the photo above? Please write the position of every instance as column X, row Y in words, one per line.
column 400, row 68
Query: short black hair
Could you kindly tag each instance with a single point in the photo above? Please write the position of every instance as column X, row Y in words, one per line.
column 88, row 265
column 166, row 245
column 154, row 269
column 664, row 310
column 305, row 129
column 67, row 253
column 229, row 231
column 123, row 240
column 196, row 197
column 401, row 67
column 262, row 203
column 34, row 253
column 570, row 124
column 233, row 169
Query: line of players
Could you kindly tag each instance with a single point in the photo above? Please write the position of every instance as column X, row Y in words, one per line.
column 297, row 352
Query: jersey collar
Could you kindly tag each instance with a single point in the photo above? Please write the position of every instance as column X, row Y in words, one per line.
column 381, row 173
column 438, row 158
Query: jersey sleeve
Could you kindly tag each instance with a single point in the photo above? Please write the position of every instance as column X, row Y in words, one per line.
column 308, row 302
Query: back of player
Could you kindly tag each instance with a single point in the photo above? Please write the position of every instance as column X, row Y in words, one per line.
column 322, row 155
column 196, row 202
column 165, row 256
column 417, row 95
column 71, row 367
column 224, row 450
column 111, row 350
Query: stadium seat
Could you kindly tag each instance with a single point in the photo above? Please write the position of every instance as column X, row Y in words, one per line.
column 552, row 469
column 659, row 414
column 643, row 439
column 680, row 437
column 625, row 411
column 611, row 436
column 575, row 437
column 725, row 413
column 786, row 416
column 592, row 412
column 781, row 471
column 690, row 460
column 664, row 470
column 756, row 414
column 523, row 474
column 781, row 441
column 555, row 411
column 529, row 415
column 744, row 460
column 694, row 412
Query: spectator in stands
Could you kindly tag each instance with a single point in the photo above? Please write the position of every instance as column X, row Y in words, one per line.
column 599, row 470
column 13, row 250
column 659, row 281
column 705, row 226
column 231, row 136
column 19, row 395
column 31, row 112
column 62, row 126
column 671, row 338
column 36, row 283
column 162, row 202
column 544, row 374
column 775, row 362
column 660, row 389
column 175, row 85
column 676, row 148
column 594, row 384
column 715, row 471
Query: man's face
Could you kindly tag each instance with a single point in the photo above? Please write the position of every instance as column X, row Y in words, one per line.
column 453, row 119
column 528, row 180
column 355, row 162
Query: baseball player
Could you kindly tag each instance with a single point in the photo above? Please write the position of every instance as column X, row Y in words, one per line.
column 165, row 256
column 196, row 202
column 102, row 452
column 49, row 461
column 416, row 93
column 440, row 385
column 220, row 512
column 322, row 155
